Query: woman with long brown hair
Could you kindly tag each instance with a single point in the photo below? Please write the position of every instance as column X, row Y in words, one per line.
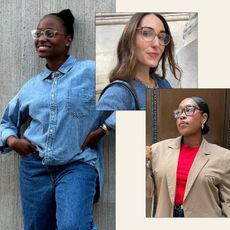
column 146, row 46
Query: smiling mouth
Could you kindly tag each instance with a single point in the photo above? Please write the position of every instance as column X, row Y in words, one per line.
column 42, row 48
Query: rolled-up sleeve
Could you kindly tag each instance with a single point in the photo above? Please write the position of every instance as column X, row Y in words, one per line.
column 13, row 117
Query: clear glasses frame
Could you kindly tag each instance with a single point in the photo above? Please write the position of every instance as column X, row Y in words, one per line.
column 48, row 33
column 188, row 111
column 149, row 34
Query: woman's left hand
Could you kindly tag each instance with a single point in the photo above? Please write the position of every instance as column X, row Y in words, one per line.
column 92, row 139
column 148, row 153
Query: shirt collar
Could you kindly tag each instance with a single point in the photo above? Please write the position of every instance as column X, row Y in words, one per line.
column 67, row 65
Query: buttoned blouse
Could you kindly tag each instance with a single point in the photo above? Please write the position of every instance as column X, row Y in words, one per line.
column 62, row 108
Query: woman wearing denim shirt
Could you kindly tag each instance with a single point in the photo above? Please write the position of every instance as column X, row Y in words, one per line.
column 57, row 180
column 145, row 45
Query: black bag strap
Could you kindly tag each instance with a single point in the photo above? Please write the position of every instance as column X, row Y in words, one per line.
column 127, row 86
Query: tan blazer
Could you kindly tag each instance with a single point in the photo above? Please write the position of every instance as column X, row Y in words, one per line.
column 207, row 192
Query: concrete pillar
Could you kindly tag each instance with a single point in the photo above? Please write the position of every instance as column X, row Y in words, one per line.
column 187, row 55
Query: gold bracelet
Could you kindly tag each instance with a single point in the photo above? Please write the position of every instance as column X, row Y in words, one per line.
column 105, row 128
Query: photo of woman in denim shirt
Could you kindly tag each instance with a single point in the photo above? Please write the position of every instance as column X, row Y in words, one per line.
column 57, row 179
column 146, row 40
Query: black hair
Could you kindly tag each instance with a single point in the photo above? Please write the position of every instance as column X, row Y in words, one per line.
column 203, row 106
column 68, row 20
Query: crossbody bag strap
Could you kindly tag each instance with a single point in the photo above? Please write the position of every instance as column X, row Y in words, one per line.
column 127, row 86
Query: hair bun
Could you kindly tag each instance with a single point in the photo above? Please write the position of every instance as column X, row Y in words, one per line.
column 205, row 130
column 66, row 15
column 68, row 20
column 203, row 106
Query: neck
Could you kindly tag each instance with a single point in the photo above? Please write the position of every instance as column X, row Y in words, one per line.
column 55, row 63
column 142, row 74
column 192, row 141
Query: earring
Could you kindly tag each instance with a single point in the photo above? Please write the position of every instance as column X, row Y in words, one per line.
column 202, row 125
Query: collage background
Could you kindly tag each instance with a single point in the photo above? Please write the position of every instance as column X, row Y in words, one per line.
column 213, row 59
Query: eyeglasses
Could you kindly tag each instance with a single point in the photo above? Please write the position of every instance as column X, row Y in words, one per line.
column 48, row 33
column 189, row 110
column 149, row 34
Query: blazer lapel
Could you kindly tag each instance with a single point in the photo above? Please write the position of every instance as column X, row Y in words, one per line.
column 199, row 162
column 172, row 167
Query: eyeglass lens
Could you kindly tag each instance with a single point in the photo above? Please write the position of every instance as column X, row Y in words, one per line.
column 149, row 34
column 48, row 33
column 189, row 111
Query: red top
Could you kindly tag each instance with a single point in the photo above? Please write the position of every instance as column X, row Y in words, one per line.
column 186, row 158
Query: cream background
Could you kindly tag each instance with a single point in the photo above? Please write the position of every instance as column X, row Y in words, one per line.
column 213, row 61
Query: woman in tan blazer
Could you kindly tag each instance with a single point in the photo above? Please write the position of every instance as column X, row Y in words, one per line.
column 188, row 176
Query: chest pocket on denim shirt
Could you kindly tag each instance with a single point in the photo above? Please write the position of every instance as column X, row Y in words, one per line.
column 80, row 102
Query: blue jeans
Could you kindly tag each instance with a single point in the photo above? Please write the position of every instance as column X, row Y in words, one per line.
column 57, row 197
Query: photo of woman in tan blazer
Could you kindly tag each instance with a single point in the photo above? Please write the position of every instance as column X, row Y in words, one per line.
column 188, row 176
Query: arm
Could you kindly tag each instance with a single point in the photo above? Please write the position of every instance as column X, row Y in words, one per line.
column 13, row 117
column 149, row 174
column 94, row 137
column 148, row 153
column 20, row 145
column 224, row 189
column 116, row 97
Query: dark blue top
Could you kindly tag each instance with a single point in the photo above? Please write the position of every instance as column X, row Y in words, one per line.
column 118, row 97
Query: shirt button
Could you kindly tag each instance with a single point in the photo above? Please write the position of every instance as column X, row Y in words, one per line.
column 51, row 130
column 49, row 149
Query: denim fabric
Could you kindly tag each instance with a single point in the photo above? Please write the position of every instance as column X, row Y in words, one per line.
column 66, row 190
column 117, row 97
column 61, row 106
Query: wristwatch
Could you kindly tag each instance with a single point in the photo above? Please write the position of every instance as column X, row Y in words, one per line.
column 105, row 128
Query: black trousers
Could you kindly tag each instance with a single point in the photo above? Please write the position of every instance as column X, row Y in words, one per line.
column 178, row 213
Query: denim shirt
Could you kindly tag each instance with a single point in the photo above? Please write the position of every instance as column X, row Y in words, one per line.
column 117, row 97
column 61, row 106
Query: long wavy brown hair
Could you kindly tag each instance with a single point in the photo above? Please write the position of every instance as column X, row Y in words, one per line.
column 126, row 58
